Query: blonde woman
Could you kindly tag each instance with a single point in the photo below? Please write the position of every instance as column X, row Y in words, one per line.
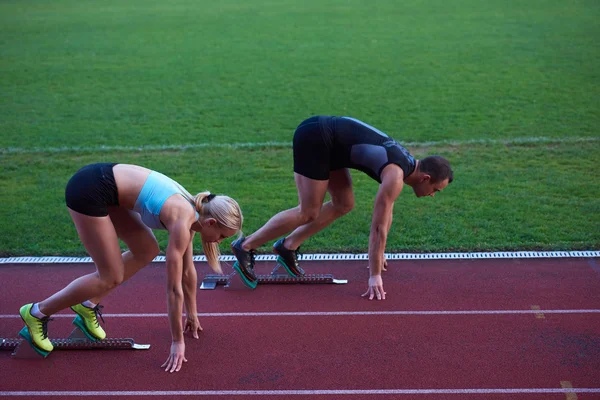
column 108, row 202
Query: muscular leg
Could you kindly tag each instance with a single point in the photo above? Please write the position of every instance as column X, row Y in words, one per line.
column 310, row 196
column 140, row 240
column 341, row 203
column 99, row 238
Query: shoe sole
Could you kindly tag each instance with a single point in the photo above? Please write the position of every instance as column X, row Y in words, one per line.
column 247, row 282
column 24, row 333
column 291, row 272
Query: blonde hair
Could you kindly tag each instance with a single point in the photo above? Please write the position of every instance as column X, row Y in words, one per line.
column 227, row 212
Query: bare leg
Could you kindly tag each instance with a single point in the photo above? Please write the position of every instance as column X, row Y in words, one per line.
column 310, row 196
column 342, row 202
column 140, row 240
column 99, row 238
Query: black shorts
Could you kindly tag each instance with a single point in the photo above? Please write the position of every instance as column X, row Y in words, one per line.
column 313, row 142
column 92, row 190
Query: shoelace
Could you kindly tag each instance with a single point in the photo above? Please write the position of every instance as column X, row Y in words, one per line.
column 44, row 322
column 97, row 311
column 252, row 255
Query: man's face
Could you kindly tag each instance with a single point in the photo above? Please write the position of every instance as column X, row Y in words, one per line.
column 426, row 188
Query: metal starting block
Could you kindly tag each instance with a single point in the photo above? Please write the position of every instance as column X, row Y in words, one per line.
column 77, row 340
column 211, row 281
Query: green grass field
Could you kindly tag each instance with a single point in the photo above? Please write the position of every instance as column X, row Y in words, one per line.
column 508, row 91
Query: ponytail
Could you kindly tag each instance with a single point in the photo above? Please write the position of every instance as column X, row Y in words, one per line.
column 226, row 211
column 200, row 199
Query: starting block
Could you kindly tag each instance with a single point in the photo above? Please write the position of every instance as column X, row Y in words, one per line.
column 77, row 340
column 211, row 281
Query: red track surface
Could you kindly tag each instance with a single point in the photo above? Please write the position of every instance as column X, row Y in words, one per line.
column 345, row 352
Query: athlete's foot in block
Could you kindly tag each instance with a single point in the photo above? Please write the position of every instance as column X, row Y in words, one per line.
column 244, row 264
column 89, row 320
column 288, row 259
column 37, row 328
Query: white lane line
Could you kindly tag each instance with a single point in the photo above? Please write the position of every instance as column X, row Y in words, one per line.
column 288, row 144
column 335, row 313
column 338, row 257
column 297, row 392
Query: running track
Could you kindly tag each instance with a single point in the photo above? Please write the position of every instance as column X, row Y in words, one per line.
column 449, row 329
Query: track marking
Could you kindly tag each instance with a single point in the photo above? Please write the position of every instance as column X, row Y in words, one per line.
column 341, row 257
column 568, row 385
column 298, row 392
column 594, row 266
column 334, row 313
column 539, row 315
column 274, row 144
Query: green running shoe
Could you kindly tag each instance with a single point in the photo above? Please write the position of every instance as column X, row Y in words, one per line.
column 87, row 321
column 37, row 328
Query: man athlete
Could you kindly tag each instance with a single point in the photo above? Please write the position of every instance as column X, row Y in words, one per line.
column 324, row 148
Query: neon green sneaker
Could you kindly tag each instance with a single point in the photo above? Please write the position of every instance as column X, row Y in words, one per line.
column 37, row 328
column 87, row 321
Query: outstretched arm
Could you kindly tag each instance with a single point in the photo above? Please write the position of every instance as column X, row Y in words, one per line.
column 179, row 238
column 390, row 188
column 189, row 283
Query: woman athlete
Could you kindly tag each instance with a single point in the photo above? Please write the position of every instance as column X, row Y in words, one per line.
column 108, row 202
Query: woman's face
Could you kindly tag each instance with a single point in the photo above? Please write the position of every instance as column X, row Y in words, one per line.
column 212, row 232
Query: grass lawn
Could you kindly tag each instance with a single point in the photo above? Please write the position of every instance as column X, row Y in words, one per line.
column 507, row 90
column 503, row 198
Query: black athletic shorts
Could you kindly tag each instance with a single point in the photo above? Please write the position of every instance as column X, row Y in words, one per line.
column 313, row 142
column 92, row 189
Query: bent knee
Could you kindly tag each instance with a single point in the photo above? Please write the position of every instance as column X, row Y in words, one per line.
column 111, row 281
column 146, row 254
column 344, row 207
column 309, row 215
column 150, row 252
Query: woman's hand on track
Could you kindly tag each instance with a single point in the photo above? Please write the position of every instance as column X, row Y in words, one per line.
column 192, row 324
column 385, row 265
column 375, row 288
column 176, row 357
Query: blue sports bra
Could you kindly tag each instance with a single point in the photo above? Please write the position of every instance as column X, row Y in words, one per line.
column 156, row 190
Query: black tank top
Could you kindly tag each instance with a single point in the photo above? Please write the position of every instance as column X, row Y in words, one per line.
column 354, row 144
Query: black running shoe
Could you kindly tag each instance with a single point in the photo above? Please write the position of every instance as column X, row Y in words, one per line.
column 245, row 263
column 288, row 258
